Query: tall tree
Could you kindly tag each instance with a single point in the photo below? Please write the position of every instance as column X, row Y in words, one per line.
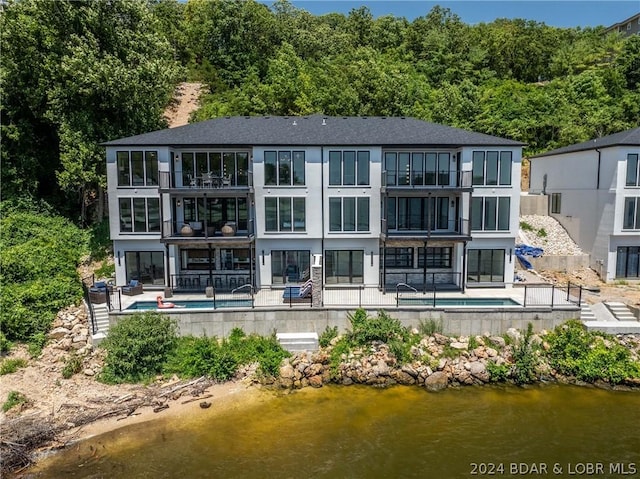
column 77, row 73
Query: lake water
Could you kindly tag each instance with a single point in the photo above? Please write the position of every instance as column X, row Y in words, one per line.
column 363, row 432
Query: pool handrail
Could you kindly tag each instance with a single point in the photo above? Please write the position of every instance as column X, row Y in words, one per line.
column 251, row 291
column 398, row 293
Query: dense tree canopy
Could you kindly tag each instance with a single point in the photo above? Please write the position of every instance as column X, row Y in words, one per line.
column 76, row 73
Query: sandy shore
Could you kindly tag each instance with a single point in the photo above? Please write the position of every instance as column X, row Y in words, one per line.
column 223, row 397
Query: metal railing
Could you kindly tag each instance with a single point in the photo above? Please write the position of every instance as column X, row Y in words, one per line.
column 239, row 289
column 418, row 280
column 460, row 226
column 426, row 179
column 174, row 229
column 203, row 182
column 551, row 295
column 220, row 281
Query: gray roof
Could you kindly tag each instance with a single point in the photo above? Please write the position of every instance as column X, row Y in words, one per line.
column 316, row 130
column 623, row 138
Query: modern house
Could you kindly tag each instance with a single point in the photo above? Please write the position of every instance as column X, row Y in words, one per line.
column 376, row 201
column 594, row 188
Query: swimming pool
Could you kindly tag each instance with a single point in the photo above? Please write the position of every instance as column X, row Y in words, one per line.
column 428, row 301
column 197, row 304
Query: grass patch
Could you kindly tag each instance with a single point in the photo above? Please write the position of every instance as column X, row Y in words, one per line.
column 14, row 398
column 327, row 336
column 9, row 366
column 430, row 327
column 72, row 365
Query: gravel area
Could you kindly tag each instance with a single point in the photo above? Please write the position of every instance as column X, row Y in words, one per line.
column 546, row 233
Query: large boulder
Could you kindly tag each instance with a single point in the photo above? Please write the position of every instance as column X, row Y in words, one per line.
column 436, row 382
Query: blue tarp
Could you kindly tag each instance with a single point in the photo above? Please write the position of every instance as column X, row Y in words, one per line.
column 523, row 250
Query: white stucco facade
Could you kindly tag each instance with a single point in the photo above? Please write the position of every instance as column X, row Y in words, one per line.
column 592, row 190
column 424, row 214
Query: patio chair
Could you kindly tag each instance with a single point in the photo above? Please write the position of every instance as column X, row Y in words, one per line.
column 134, row 287
column 98, row 292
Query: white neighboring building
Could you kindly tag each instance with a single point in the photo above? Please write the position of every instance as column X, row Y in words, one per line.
column 594, row 190
column 240, row 200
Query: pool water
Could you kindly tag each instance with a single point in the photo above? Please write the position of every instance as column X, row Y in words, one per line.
column 428, row 301
column 201, row 304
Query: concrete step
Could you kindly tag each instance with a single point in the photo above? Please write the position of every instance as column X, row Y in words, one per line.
column 620, row 311
column 101, row 314
column 614, row 327
column 298, row 341
column 586, row 314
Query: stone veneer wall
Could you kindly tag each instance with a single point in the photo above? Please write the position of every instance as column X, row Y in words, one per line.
column 455, row 321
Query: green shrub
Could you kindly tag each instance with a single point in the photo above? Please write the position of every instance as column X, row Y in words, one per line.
column 542, row 233
column 524, row 359
column 342, row 347
column 220, row 359
column 473, row 343
column 498, row 373
column 383, row 327
column 9, row 366
column 100, row 244
column 525, row 226
column 39, row 252
column 14, row 398
column 106, row 270
column 327, row 336
column 5, row 344
column 430, row 327
column 589, row 356
column 72, row 365
column 36, row 344
column 137, row 347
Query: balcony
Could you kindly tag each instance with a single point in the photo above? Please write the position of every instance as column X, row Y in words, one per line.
column 419, row 181
column 237, row 183
column 201, row 232
column 457, row 230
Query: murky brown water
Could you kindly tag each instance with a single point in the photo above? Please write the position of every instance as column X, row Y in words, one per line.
column 361, row 432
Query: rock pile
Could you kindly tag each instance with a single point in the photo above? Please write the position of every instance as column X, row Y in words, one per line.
column 438, row 362
column 554, row 239
column 70, row 335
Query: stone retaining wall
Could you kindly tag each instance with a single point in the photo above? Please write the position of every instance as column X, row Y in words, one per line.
column 455, row 321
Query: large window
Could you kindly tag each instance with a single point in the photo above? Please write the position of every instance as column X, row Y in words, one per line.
column 485, row 266
column 137, row 168
column 631, row 213
column 198, row 259
column 145, row 266
column 344, row 267
column 289, row 266
column 216, row 212
column 633, row 170
column 417, row 168
column 491, row 168
column 348, row 168
column 285, row 214
column 398, row 257
column 349, row 214
column 235, row 259
column 418, row 214
column 628, row 262
column 139, row 215
column 284, row 168
column 231, row 166
column 490, row 213
column 436, row 257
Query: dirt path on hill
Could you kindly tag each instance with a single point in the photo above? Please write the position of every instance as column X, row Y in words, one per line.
column 186, row 100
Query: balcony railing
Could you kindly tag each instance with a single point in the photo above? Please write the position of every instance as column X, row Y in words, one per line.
column 239, row 180
column 459, row 227
column 420, row 179
column 204, row 230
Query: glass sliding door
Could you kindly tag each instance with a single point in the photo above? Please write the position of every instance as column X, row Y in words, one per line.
column 145, row 266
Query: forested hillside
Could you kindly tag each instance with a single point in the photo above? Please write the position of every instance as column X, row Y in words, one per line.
column 75, row 74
